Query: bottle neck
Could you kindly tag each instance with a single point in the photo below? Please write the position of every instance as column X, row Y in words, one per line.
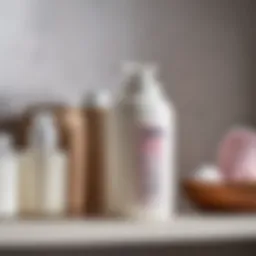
column 43, row 134
column 98, row 99
column 43, row 142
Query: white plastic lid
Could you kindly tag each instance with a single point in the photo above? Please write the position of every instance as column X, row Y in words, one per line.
column 43, row 133
column 98, row 99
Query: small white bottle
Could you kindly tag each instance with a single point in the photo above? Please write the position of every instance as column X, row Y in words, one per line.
column 30, row 181
column 43, row 181
column 147, row 124
column 8, row 178
column 53, row 163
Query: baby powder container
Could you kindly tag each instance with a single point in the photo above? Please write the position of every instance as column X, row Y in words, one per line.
column 146, row 123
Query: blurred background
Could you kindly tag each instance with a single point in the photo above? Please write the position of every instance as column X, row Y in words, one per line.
column 58, row 49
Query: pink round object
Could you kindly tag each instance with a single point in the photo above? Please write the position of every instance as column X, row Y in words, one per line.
column 237, row 155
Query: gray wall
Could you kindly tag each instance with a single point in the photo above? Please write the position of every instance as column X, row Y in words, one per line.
column 59, row 49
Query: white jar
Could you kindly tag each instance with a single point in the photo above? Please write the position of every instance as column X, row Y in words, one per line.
column 147, row 136
column 8, row 178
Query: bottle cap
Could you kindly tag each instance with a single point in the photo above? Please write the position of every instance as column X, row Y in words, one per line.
column 141, row 79
column 43, row 133
column 98, row 99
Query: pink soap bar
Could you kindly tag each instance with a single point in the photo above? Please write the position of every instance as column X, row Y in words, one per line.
column 237, row 155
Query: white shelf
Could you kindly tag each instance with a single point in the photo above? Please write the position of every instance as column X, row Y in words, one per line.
column 184, row 229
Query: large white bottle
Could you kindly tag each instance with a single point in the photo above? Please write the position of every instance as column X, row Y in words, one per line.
column 146, row 124
column 8, row 178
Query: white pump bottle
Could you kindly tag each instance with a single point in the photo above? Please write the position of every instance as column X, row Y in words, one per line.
column 147, row 126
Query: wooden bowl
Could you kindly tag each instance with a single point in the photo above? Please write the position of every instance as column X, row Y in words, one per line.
column 222, row 197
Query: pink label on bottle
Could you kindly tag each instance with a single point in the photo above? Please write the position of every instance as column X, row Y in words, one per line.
column 150, row 153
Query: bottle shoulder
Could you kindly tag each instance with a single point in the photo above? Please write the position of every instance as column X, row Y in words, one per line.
column 160, row 107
